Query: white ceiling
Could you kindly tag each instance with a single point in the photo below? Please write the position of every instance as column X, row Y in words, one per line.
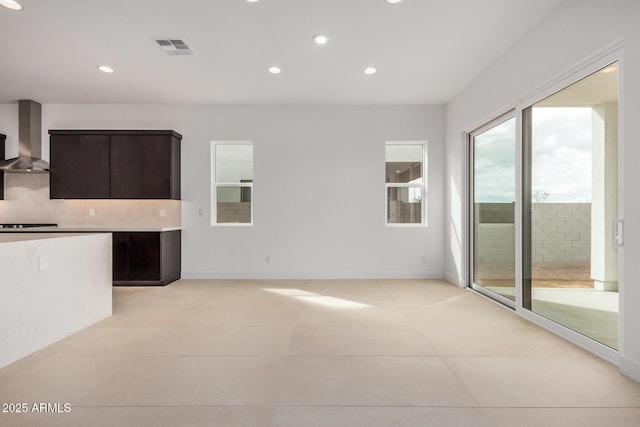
column 425, row 51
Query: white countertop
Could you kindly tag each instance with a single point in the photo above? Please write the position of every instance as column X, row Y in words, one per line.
column 98, row 229
column 22, row 237
column 95, row 229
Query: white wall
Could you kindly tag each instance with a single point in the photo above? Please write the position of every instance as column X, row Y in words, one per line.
column 319, row 199
column 574, row 31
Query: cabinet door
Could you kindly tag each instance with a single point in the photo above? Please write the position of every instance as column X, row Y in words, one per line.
column 144, row 257
column 171, row 255
column 80, row 167
column 141, row 167
column 126, row 167
column 120, row 257
column 156, row 166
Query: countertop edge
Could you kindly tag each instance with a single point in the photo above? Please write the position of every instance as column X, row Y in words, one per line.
column 66, row 229
column 6, row 238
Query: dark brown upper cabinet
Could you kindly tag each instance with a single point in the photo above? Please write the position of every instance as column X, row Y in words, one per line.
column 139, row 164
column 79, row 167
column 142, row 166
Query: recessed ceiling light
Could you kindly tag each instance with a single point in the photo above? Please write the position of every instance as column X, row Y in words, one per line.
column 320, row 39
column 11, row 4
column 393, row 1
column 275, row 70
column 105, row 69
column 252, row 1
column 370, row 70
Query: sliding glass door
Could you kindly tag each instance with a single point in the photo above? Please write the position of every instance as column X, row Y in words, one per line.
column 493, row 194
column 570, row 194
column 544, row 229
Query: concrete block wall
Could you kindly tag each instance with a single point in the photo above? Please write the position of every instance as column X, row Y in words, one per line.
column 234, row 212
column 561, row 233
column 404, row 213
column 495, row 213
column 496, row 243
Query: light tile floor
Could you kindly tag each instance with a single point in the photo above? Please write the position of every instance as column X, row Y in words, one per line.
column 316, row 353
column 591, row 312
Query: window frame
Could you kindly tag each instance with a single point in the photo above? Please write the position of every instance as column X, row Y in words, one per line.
column 422, row 186
column 215, row 185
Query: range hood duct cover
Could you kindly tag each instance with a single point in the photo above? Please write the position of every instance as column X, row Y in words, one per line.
column 29, row 141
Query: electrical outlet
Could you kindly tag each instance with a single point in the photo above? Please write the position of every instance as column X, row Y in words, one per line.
column 92, row 212
column 44, row 263
column 267, row 259
column 163, row 212
column 200, row 212
column 423, row 259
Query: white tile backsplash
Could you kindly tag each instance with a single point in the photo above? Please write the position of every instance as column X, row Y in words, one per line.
column 27, row 200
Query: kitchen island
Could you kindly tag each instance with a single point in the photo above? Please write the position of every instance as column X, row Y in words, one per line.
column 52, row 285
column 142, row 256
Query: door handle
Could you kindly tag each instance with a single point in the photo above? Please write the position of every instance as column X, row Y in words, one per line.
column 617, row 233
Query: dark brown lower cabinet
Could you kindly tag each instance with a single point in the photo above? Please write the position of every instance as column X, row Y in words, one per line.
column 146, row 258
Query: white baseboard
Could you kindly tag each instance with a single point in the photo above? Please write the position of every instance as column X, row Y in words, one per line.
column 454, row 280
column 630, row 368
column 304, row 275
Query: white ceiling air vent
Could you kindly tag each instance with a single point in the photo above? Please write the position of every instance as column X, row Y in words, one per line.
column 174, row 46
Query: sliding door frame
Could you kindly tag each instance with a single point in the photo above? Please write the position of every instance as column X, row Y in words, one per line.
column 611, row 54
column 524, row 108
column 471, row 210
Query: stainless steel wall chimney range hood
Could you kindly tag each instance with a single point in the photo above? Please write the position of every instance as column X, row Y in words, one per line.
column 29, row 141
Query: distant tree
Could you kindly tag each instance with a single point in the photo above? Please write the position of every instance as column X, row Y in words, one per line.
column 540, row 196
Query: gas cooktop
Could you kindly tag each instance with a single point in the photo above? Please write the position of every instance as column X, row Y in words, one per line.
column 31, row 225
